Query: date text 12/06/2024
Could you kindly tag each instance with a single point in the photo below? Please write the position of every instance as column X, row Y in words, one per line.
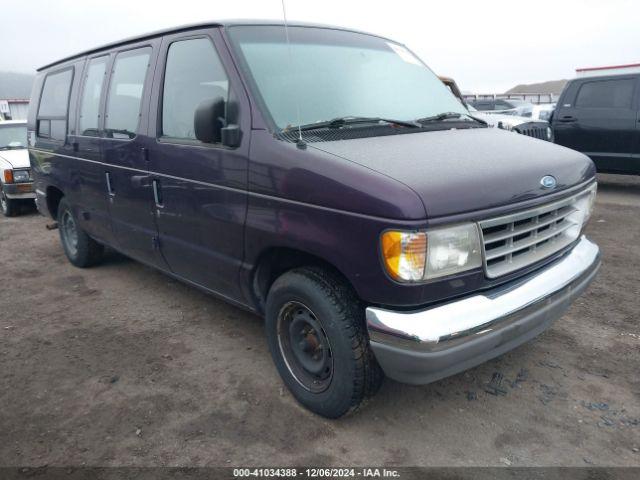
column 315, row 472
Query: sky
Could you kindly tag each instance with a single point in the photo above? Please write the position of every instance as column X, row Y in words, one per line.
column 488, row 46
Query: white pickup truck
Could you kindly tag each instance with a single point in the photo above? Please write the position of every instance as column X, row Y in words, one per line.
column 16, row 184
column 531, row 127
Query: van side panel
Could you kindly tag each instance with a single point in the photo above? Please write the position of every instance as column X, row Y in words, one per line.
column 40, row 178
column 203, row 186
column 125, row 151
column 54, row 161
column 87, row 147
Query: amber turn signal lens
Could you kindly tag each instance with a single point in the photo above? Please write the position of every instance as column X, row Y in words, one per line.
column 8, row 176
column 404, row 254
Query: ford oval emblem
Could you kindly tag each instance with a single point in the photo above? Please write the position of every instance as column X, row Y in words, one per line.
column 548, row 181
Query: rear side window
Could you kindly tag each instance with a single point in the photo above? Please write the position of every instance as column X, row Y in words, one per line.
column 606, row 94
column 54, row 105
column 193, row 73
column 483, row 105
column 125, row 93
column 90, row 104
column 502, row 105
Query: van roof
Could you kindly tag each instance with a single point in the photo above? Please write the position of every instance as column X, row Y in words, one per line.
column 213, row 23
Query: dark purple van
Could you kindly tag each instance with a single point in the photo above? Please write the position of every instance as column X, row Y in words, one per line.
column 332, row 185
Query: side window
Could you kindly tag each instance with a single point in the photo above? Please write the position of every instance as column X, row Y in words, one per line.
column 606, row 94
column 90, row 103
column 193, row 73
column 54, row 105
column 125, row 93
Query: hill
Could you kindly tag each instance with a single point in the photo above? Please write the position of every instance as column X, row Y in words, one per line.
column 552, row 86
column 15, row 85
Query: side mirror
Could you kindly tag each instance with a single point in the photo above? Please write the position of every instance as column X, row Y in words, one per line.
column 208, row 120
column 230, row 135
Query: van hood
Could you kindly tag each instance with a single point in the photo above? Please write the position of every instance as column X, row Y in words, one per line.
column 458, row 171
column 15, row 158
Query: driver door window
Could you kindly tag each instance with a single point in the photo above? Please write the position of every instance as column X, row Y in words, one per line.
column 193, row 73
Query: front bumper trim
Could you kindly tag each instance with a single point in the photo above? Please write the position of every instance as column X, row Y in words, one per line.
column 18, row 191
column 424, row 345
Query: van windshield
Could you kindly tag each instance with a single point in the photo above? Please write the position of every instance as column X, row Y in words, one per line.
column 335, row 74
column 13, row 136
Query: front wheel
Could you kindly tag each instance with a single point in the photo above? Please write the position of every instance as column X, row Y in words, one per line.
column 9, row 207
column 318, row 341
column 81, row 250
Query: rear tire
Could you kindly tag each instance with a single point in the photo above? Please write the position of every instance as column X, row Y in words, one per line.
column 318, row 341
column 9, row 207
column 81, row 250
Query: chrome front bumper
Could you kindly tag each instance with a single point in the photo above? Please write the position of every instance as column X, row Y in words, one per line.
column 426, row 345
column 19, row 191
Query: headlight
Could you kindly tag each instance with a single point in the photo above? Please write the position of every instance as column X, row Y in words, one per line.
column 21, row 176
column 549, row 133
column 404, row 254
column 416, row 256
column 586, row 203
column 583, row 207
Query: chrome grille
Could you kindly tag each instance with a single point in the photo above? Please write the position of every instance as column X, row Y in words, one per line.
column 533, row 129
column 517, row 240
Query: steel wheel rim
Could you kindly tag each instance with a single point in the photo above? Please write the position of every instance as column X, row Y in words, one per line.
column 3, row 202
column 305, row 347
column 70, row 233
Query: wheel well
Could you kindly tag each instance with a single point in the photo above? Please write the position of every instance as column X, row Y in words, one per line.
column 277, row 261
column 54, row 196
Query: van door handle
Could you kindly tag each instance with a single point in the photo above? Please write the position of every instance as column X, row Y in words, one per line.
column 110, row 190
column 567, row 119
column 141, row 181
column 157, row 194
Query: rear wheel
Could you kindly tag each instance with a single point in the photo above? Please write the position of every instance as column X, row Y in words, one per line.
column 81, row 250
column 9, row 207
column 316, row 333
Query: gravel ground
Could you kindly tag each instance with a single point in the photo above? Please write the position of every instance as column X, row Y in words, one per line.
column 120, row 365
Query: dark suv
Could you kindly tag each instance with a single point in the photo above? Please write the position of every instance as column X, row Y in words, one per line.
column 600, row 117
column 332, row 185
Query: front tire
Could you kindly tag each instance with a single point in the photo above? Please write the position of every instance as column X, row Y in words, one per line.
column 318, row 341
column 81, row 250
column 9, row 207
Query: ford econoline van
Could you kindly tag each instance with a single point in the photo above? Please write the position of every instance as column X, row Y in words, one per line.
column 324, row 179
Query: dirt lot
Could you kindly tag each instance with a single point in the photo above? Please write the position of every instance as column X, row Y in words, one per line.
column 120, row 365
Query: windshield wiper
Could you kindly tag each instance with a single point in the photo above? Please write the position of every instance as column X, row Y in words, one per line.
column 340, row 122
column 448, row 116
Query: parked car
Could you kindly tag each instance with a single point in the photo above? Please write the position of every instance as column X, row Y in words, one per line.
column 543, row 111
column 599, row 116
column 526, row 126
column 376, row 225
column 16, row 185
column 508, row 106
